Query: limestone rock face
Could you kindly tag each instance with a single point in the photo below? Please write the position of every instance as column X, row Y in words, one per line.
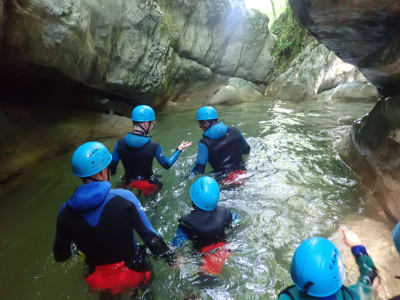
column 237, row 91
column 364, row 33
column 315, row 70
column 31, row 134
column 148, row 51
column 355, row 91
column 377, row 238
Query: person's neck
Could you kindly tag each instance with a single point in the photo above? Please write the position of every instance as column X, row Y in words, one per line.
column 139, row 131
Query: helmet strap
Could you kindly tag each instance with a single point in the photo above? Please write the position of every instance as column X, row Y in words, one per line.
column 85, row 180
column 144, row 131
column 307, row 286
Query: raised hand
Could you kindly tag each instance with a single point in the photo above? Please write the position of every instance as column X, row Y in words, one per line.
column 184, row 145
column 350, row 238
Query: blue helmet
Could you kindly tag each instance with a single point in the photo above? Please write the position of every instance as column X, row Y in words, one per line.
column 90, row 158
column 317, row 267
column 396, row 237
column 206, row 113
column 205, row 193
column 143, row 113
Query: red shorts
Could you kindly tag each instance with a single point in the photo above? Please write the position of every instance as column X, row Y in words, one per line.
column 145, row 187
column 235, row 178
column 116, row 278
column 215, row 257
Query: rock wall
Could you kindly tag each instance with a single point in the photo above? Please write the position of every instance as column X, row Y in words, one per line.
column 31, row 134
column 366, row 34
column 143, row 51
column 317, row 70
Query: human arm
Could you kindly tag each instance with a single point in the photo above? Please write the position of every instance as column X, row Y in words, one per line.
column 180, row 238
column 202, row 158
column 166, row 162
column 142, row 226
column 62, row 242
column 366, row 266
column 114, row 160
column 244, row 146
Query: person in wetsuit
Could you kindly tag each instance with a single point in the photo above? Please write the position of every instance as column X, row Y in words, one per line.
column 136, row 151
column 317, row 271
column 205, row 225
column 221, row 146
column 101, row 222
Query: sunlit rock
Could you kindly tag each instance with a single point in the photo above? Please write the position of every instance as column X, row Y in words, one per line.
column 145, row 51
column 314, row 70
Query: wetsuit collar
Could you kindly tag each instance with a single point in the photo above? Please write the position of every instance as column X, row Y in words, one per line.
column 136, row 141
column 216, row 131
column 89, row 196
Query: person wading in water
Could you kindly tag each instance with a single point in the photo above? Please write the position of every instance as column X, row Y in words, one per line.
column 317, row 271
column 222, row 147
column 205, row 225
column 137, row 151
column 101, row 222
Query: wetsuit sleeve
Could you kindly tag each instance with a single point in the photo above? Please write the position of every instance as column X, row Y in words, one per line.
column 164, row 161
column 142, row 225
column 368, row 272
column 245, row 146
column 62, row 242
column 115, row 160
column 202, row 158
column 180, row 238
column 366, row 266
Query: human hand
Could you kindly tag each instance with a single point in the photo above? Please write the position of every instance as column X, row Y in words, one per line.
column 184, row 145
column 350, row 238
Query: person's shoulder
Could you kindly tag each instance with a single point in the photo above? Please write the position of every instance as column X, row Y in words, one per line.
column 127, row 195
column 224, row 210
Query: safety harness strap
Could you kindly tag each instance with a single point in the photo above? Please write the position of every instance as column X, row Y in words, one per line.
column 287, row 292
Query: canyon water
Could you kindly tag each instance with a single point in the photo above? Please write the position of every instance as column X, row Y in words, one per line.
column 297, row 187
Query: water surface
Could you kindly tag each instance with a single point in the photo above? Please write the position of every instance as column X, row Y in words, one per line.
column 297, row 188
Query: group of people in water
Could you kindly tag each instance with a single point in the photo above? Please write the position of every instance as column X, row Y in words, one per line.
column 100, row 221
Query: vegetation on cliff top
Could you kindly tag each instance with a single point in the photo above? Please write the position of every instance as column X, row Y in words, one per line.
column 292, row 38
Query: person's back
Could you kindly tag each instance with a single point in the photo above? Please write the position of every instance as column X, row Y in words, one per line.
column 224, row 146
column 205, row 225
column 137, row 151
column 318, row 272
column 101, row 221
column 221, row 146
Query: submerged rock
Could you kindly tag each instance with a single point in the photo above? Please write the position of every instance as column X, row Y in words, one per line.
column 237, row 91
column 353, row 91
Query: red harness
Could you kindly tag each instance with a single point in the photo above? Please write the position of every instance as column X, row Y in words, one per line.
column 215, row 257
column 144, row 186
column 116, row 278
column 235, row 178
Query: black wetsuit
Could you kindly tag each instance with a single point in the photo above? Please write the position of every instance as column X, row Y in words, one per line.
column 205, row 227
column 101, row 221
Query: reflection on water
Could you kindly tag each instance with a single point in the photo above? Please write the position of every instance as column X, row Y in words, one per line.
column 297, row 188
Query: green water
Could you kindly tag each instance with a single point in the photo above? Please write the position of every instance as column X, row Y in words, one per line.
column 298, row 187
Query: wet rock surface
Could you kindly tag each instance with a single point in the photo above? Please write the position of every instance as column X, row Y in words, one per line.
column 364, row 33
column 376, row 236
column 144, row 51
column 31, row 134
column 314, row 70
